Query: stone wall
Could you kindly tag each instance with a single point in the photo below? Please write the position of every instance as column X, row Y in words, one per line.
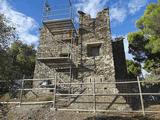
column 96, row 32
column 100, row 68
column 119, row 59
column 98, row 60
column 50, row 46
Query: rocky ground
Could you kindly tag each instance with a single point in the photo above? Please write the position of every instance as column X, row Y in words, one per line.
column 43, row 112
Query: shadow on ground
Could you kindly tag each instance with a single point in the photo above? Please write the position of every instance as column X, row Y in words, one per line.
column 117, row 118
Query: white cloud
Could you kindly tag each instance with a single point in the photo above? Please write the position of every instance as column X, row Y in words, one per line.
column 91, row 7
column 118, row 11
column 136, row 5
column 118, row 14
column 25, row 25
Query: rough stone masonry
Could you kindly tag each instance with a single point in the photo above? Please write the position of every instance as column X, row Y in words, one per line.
column 93, row 58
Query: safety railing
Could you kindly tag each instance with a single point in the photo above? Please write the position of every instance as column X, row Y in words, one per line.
column 55, row 10
column 96, row 92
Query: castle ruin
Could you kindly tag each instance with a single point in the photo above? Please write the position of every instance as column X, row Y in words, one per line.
column 81, row 61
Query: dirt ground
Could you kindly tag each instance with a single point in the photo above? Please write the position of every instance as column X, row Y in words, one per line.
column 41, row 112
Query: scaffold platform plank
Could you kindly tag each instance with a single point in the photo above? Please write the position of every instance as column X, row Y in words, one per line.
column 59, row 26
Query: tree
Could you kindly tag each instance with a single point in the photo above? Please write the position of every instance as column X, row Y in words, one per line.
column 23, row 59
column 16, row 58
column 5, row 65
column 144, row 44
column 133, row 69
column 7, row 33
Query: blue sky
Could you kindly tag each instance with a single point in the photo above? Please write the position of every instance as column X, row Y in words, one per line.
column 26, row 15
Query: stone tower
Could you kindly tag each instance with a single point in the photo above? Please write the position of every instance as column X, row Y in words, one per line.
column 95, row 37
column 87, row 56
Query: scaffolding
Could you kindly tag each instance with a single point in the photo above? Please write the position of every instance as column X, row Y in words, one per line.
column 61, row 26
column 58, row 20
column 57, row 10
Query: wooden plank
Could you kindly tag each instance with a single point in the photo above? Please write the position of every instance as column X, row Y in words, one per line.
column 27, row 103
column 70, row 70
column 54, row 101
column 141, row 97
column 57, row 21
column 61, row 26
column 9, row 102
column 21, row 91
column 34, row 103
column 109, row 111
column 28, row 89
column 129, row 82
column 85, row 83
column 40, row 79
column 54, row 32
column 94, row 96
column 119, row 94
column 92, row 110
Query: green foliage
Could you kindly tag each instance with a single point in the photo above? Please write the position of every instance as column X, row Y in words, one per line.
column 23, row 59
column 137, row 45
column 133, row 68
column 145, row 43
column 7, row 34
column 5, row 65
column 18, row 60
column 152, row 65
column 152, row 77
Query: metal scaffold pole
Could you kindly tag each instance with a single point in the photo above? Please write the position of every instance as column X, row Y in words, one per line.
column 71, row 11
